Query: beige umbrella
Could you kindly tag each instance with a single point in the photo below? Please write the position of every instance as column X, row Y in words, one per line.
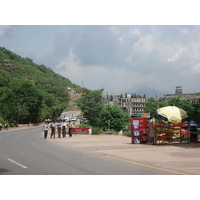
column 172, row 114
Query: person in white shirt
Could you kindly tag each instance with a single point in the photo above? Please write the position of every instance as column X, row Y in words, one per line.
column 45, row 128
column 64, row 128
column 53, row 129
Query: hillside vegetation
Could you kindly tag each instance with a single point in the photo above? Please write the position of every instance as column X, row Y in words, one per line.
column 29, row 92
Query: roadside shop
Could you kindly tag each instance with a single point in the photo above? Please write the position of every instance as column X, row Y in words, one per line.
column 169, row 127
column 140, row 128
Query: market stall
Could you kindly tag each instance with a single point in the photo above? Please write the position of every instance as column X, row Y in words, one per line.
column 174, row 127
column 171, row 126
column 172, row 132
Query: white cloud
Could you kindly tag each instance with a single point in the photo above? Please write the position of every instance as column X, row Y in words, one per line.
column 146, row 58
column 116, row 80
column 196, row 68
column 136, row 31
column 115, row 30
column 119, row 58
column 121, row 39
column 3, row 29
column 177, row 55
column 145, row 43
column 184, row 30
column 194, row 51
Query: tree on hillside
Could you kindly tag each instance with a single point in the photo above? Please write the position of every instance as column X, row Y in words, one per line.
column 91, row 105
column 50, row 86
column 56, row 98
column 22, row 101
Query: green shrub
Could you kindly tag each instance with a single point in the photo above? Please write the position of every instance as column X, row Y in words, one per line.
column 96, row 130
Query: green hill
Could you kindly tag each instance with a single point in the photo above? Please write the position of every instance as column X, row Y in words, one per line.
column 18, row 67
column 29, row 92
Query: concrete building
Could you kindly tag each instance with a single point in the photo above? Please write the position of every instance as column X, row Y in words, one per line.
column 133, row 105
column 192, row 97
column 178, row 92
column 127, row 102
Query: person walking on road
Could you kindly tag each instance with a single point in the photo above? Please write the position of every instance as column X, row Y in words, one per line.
column 45, row 128
column 70, row 126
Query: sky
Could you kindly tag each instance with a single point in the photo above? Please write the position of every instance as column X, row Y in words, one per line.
column 118, row 58
column 87, row 44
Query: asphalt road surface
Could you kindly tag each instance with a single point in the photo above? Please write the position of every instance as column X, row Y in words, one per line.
column 26, row 152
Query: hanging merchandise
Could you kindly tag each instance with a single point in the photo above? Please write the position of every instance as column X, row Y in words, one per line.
column 139, row 128
column 185, row 132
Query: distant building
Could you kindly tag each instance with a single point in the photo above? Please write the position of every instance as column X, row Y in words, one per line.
column 178, row 92
column 133, row 105
column 129, row 103
column 192, row 97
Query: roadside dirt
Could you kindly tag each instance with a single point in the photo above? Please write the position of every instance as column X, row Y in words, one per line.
column 180, row 158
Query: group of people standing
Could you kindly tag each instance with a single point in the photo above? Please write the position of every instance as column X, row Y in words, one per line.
column 60, row 127
column 5, row 127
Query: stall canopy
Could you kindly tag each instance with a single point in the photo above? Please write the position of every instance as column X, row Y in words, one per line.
column 172, row 114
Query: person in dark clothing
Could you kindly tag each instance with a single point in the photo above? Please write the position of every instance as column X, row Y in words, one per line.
column 70, row 126
column 59, row 129
column 152, row 130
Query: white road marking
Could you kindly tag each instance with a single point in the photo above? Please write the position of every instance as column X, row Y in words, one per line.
column 17, row 163
column 9, row 134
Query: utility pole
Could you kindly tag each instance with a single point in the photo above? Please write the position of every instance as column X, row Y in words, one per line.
column 156, row 97
column 108, row 117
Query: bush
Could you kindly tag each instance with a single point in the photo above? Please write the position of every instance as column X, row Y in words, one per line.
column 96, row 130
column 85, row 126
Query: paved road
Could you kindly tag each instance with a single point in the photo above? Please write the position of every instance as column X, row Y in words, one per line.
column 25, row 152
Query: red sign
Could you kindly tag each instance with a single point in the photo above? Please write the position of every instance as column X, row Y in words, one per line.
column 80, row 130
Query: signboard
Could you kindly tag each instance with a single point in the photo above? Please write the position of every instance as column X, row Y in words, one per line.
column 80, row 130
column 142, row 115
column 140, row 128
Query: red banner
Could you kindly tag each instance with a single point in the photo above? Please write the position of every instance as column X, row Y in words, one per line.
column 80, row 130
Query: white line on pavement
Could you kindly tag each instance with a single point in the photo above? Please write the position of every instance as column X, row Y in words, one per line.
column 9, row 134
column 17, row 163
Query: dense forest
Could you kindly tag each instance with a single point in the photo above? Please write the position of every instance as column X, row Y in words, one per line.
column 29, row 92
